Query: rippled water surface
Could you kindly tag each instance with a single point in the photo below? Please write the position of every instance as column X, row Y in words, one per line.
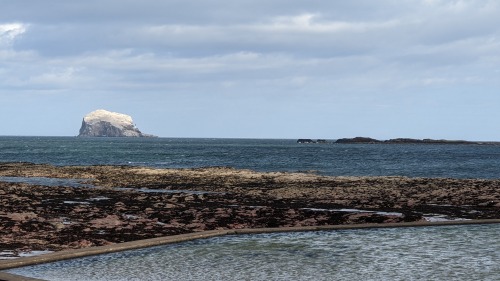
column 416, row 160
column 427, row 253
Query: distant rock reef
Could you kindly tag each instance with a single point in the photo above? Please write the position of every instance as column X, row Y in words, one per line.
column 366, row 140
column 409, row 141
column 311, row 141
column 103, row 123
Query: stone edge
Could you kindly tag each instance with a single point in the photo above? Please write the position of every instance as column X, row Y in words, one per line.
column 72, row 254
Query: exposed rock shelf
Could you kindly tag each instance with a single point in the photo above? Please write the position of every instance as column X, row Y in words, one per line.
column 38, row 217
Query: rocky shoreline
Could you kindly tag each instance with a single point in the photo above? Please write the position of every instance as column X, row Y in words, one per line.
column 113, row 204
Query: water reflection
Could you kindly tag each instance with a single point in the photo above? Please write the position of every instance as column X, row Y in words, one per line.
column 67, row 182
column 85, row 183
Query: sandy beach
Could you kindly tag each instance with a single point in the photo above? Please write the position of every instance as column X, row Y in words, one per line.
column 115, row 204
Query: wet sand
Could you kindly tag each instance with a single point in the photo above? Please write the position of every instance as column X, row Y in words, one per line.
column 54, row 218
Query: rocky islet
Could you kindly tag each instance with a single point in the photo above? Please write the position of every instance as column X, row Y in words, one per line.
column 103, row 123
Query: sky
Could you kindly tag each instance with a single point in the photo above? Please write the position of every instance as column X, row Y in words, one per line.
column 253, row 68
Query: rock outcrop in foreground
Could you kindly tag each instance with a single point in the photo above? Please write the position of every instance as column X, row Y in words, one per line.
column 103, row 123
column 162, row 202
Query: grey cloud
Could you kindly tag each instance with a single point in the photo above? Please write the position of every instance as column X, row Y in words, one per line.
column 184, row 11
column 251, row 31
column 275, row 47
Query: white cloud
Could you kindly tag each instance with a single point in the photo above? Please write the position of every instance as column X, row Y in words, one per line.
column 9, row 32
column 57, row 77
column 314, row 23
column 257, row 33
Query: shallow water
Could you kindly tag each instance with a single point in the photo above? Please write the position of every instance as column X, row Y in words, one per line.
column 49, row 181
column 464, row 252
column 80, row 183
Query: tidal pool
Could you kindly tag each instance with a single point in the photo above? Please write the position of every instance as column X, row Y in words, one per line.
column 467, row 252
column 49, row 181
column 80, row 183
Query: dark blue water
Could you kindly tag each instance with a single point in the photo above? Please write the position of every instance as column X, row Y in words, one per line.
column 415, row 160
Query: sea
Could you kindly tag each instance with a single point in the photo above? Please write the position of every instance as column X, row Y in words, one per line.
column 412, row 160
column 468, row 252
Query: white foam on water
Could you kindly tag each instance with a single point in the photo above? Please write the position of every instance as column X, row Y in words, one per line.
column 76, row 202
column 346, row 210
column 8, row 255
column 34, row 253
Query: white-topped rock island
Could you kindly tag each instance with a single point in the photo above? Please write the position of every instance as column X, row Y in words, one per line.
column 103, row 123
